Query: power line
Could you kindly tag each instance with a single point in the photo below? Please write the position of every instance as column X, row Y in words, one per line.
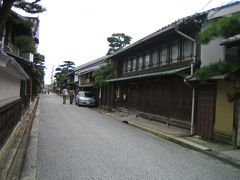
column 206, row 4
column 52, row 74
column 220, row 8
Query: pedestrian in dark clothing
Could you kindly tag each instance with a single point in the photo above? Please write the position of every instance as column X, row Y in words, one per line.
column 71, row 95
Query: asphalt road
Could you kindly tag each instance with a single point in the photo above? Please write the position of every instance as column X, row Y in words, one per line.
column 80, row 143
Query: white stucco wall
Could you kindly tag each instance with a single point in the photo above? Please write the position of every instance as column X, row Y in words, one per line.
column 9, row 87
column 224, row 12
column 213, row 52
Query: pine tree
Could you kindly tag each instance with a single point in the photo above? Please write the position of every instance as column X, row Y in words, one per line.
column 5, row 9
column 38, row 62
column 62, row 71
column 118, row 41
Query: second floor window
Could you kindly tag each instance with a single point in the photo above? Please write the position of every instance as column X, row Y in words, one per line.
column 140, row 62
column 164, row 54
column 175, row 52
column 155, row 57
column 124, row 66
column 147, row 60
column 129, row 64
column 187, row 50
column 134, row 63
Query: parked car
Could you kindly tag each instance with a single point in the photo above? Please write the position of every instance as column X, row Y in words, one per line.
column 85, row 98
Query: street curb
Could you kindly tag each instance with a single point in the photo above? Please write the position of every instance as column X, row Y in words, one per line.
column 181, row 141
column 29, row 165
column 15, row 147
column 174, row 139
column 223, row 158
column 194, row 146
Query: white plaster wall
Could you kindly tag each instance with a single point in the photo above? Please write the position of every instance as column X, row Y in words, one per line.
column 212, row 52
column 9, row 87
column 224, row 12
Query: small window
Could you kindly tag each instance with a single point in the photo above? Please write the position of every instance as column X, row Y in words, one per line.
column 164, row 54
column 155, row 57
column 174, row 52
column 87, row 94
column 187, row 49
column 147, row 60
column 233, row 55
column 81, row 94
column 134, row 63
column 124, row 66
column 140, row 62
column 129, row 63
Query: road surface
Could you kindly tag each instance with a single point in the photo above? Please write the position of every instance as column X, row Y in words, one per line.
column 79, row 143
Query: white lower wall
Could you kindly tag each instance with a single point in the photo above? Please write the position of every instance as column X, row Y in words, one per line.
column 9, row 87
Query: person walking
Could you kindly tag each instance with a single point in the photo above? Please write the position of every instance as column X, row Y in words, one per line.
column 71, row 95
column 64, row 93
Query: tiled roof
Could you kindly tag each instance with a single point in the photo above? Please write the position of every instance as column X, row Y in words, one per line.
column 226, row 76
column 230, row 40
column 90, row 63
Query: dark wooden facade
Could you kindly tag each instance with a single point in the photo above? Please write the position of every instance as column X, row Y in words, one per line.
column 205, row 117
column 10, row 114
column 164, row 99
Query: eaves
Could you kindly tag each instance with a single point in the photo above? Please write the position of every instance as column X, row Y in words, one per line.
column 149, row 75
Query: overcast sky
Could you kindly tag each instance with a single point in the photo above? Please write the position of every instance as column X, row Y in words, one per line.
column 77, row 30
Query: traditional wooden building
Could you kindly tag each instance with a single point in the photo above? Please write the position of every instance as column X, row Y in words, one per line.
column 83, row 76
column 214, row 117
column 150, row 76
column 18, row 77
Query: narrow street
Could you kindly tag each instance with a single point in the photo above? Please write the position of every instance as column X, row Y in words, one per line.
column 80, row 143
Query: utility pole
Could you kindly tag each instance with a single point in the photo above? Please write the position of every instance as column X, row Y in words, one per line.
column 52, row 72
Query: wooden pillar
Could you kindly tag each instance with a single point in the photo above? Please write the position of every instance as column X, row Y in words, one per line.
column 236, row 123
column 169, row 102
column 108, row 95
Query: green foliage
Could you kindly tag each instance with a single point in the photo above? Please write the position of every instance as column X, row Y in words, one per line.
column 29, row 7
column 25, row 43
column 68, row 66
column 117, row 41
column 234, row 92
column 62, row 71
column 226, row 27
column 27, row 24
column 103, row 74
column 38, row 62
column 219, row 68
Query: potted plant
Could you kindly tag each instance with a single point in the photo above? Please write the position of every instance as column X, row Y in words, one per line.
column 234, row 92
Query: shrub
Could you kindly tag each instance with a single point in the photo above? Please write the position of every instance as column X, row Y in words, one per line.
column 226, row 27
column 25, row 44
column 214, row 69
